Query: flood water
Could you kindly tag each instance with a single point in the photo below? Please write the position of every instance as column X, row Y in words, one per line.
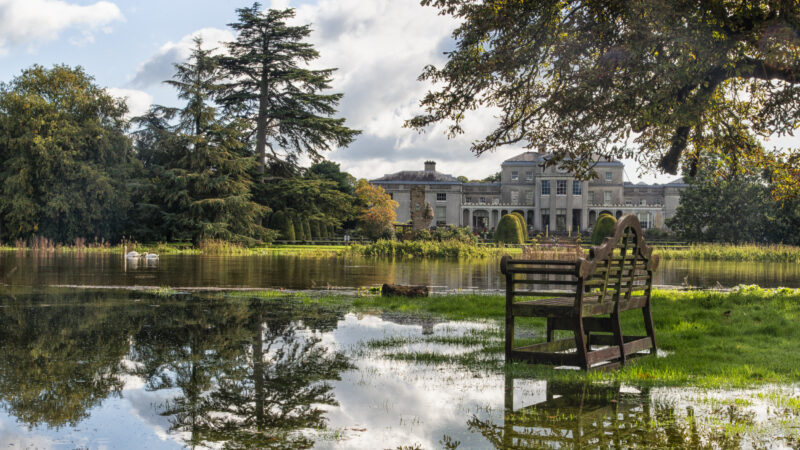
column 128, row 369
column 308, row 272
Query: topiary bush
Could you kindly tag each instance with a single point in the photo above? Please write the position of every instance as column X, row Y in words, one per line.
column 306, row 230
column 283, row 223
column 509, row 230
column 299, row 233
column 315, row 230
column 603, row 228
column 522, row 224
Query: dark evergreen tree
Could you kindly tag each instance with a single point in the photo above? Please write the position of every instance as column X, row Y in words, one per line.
column 271, row 88
column 329, row 170
column 200, row 162
column 65, row 161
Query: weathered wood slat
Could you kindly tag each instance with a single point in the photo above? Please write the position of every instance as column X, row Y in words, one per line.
column 559, row 359
column 604, row 354
column 527, row 262
column 543, row 294
column 553, row 282
column 544, row 271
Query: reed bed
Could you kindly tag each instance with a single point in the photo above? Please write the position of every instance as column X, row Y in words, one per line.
column 428, row 249
column 734, row 253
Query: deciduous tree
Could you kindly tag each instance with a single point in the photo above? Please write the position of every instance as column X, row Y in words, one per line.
column 379, row 210
column 651, row 80
column 65, row 161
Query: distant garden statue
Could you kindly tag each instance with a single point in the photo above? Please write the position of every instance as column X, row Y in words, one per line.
column 421, row 211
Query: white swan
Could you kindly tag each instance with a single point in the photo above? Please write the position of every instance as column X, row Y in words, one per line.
column 132, row 255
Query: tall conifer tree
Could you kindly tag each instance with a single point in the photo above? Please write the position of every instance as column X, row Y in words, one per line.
column 280, row 98
column 201, row 162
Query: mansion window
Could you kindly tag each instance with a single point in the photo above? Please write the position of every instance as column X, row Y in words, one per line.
column 591, row 197
column 514, row 176
column 545, row 187
column 441, row 215
column 529, row 197
column 529, row 175
column 646, row 219
column 643, row 202
column 514, row 197
column 609, row 176
column 482, row 200
column 607, row 197
column 391, row 195
column 468, row 200
column 576, row 188
column 561, row 187
column 441, row 196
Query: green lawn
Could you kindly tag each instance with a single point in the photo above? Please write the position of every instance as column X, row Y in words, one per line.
column 746, row 337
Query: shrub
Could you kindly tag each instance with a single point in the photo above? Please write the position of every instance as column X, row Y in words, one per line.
column 451, row 232
column 603, row 228
column 424, row 249
column 422, row 235
column 509, row 230
column 522, row 224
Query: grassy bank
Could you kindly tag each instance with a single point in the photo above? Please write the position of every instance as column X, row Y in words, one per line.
column 423, row 249
column 733, row 253
column 709, row 339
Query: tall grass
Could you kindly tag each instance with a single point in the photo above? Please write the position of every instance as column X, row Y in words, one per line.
column 729, row 252
column 564, row 253
column 428, row 249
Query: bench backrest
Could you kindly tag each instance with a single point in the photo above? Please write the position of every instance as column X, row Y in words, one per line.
column 621, row 264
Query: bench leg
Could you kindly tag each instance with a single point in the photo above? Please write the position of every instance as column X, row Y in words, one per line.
column 617, row 329
column 648, row 326
column 580, row 342
column 550, row 329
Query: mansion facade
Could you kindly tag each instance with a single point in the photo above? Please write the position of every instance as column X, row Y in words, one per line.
column 550, row 199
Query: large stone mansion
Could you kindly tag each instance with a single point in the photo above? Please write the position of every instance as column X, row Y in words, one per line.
column 549, row 199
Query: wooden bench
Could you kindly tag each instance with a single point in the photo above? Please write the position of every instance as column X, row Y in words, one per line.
column 616, row 277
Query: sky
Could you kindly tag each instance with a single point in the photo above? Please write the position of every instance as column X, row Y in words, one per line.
column 378, row 46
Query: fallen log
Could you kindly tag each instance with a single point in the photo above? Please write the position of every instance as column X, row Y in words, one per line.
column 398, row 290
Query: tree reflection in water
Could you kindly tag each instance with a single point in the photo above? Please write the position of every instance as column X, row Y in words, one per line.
column 249, row 374
column 244, row 374
column 601, row 416
column 60, row 355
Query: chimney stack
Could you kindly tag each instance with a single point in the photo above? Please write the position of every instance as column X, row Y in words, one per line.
column 430, row 166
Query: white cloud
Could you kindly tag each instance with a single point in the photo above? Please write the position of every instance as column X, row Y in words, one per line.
column 380, row 47
column 161, row 66
column 138, row 101
column 31, row 22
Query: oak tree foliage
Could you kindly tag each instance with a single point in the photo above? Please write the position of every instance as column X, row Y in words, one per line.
column 65, row 160
column 661, row 82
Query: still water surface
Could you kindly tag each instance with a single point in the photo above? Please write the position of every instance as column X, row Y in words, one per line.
column 121, row 369
column 304, row 272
